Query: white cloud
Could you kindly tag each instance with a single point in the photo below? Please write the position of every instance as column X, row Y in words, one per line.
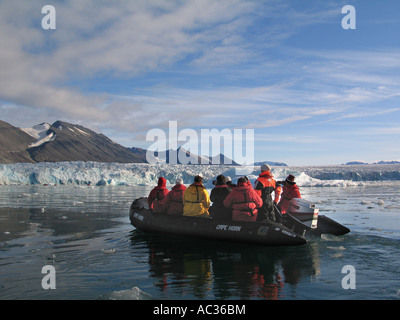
column 250, row 79
column 121, row 39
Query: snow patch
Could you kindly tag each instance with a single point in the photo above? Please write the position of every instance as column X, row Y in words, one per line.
column 82, row 132
column 39, row 142
column 39, row 132
column 130, row 294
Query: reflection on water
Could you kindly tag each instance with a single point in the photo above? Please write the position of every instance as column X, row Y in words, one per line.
column 220, row 270
column 86, row 235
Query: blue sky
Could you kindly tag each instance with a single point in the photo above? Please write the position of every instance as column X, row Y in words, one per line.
column 314, row 93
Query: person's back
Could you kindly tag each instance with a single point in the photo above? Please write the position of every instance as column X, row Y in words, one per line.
column 244, row 202
column 173, row 202
column 196, row 200
column 157, row 194
column 290, row 191
column 265, row 185
column 217, row 196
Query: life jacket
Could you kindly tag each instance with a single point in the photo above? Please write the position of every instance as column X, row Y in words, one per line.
column 246, row 206
column 265, row 185
column 173, row 202
column 196, row 201
column 244, row 201
column 289, row 192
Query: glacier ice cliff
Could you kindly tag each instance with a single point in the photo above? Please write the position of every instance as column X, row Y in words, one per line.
column 104, row 174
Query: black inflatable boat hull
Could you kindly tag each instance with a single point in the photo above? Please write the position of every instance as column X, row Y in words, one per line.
column 303, row 214
column 268, row 234
column 327, row 225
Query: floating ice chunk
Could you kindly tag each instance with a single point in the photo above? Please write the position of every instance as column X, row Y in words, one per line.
column 374, row 229
column 110, row 251
column 338, row 255
column 340, row 248
column 131, row 294
column 365, row 202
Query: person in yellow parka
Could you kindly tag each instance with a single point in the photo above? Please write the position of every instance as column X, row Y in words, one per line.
column 196, row 200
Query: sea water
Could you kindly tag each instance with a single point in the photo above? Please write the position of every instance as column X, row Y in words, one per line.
column 84, row 234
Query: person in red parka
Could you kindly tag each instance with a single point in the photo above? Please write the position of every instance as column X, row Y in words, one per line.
column 265, row 185
column 290, row 191
column 158, row 194
column 173, row 201
column 244, row 202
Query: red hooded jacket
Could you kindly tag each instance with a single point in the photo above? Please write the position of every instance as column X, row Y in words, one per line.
column 290, row 191
column 244, row 201
column 157, row 194
column 173, row 201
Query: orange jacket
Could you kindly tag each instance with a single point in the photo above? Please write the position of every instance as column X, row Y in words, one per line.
column 265, row 185
column 289, row 192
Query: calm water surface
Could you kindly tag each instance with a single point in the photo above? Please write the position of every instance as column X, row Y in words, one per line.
column 85, row 234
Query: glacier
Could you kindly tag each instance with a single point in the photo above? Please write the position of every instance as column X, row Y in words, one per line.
column 141, row 174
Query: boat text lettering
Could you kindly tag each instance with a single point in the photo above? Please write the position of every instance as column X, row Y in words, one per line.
column 288, row 233
column 228, row 227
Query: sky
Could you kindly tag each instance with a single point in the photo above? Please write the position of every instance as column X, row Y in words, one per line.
column 314, row 92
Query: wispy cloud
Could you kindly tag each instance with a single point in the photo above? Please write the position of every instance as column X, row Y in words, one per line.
column 121, row 39
column 125, row 67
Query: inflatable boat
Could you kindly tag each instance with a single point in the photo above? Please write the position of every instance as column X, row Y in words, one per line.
column 266, row 233
column 301, row 220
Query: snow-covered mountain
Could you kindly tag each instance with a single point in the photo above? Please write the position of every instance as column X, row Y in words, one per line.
column 61, row 141
column 271, row 163
column 363, row 163
column 70, row 142
column 187, row 157
column 40, row 133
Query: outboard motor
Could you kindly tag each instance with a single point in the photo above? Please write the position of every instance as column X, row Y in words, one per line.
column 304, row 211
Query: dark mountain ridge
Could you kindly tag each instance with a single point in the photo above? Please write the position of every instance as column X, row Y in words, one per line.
column 14, row 144
column 61, row 141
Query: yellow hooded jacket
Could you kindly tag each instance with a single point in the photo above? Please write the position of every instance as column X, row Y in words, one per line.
column 196, row 201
